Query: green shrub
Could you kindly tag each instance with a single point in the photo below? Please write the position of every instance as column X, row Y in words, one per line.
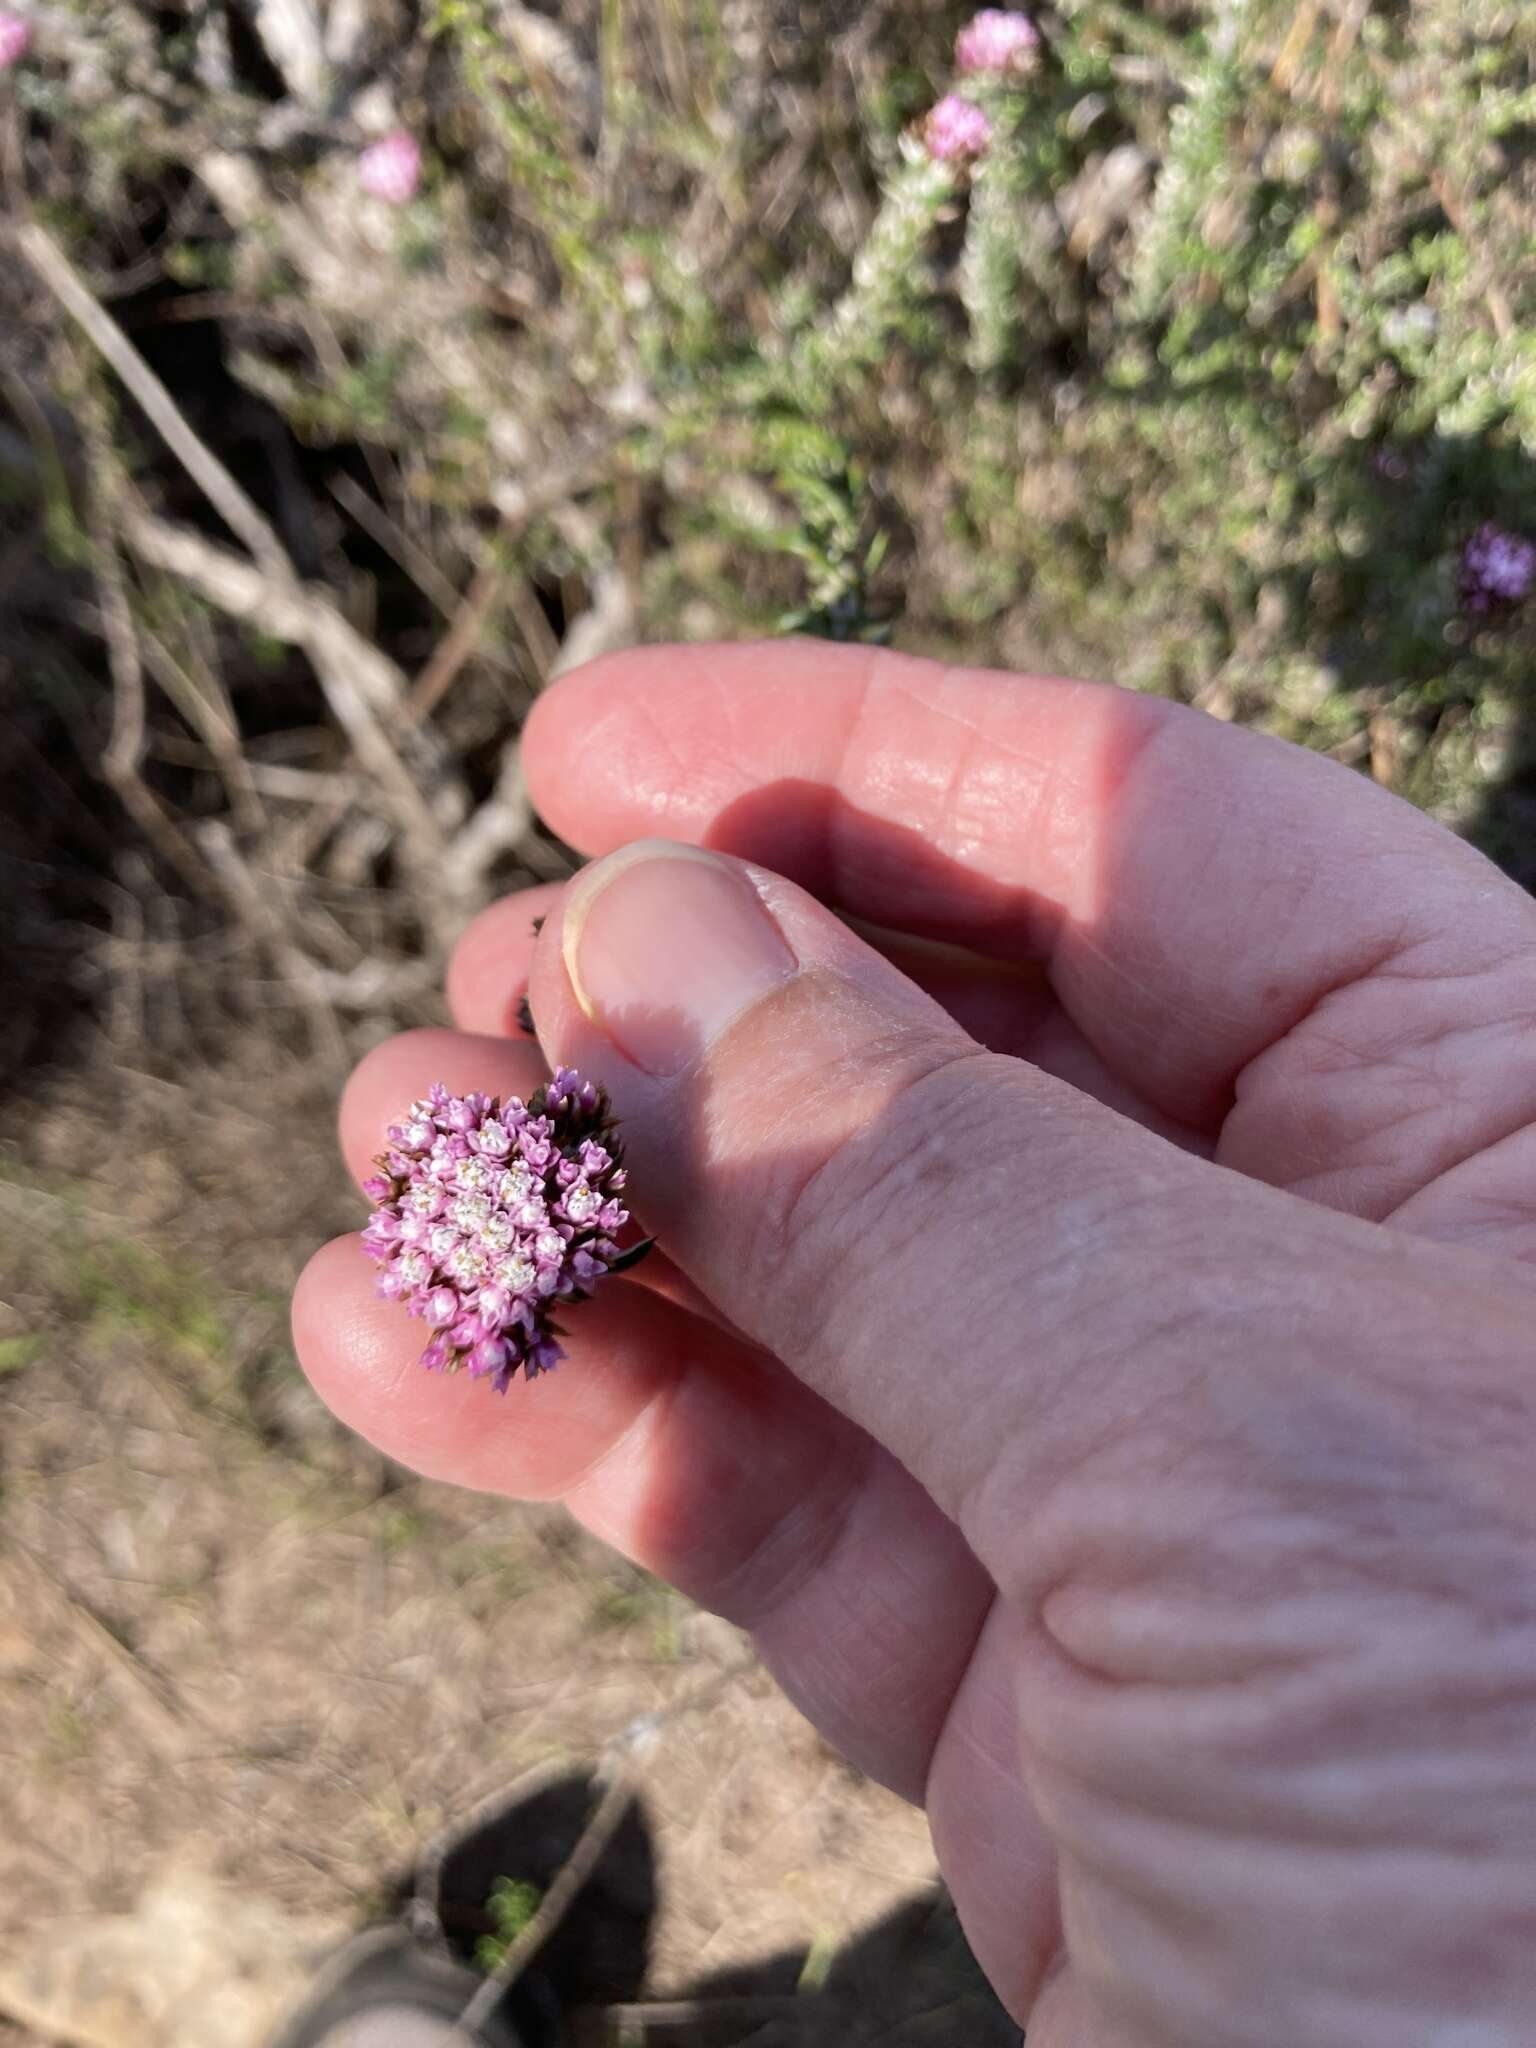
column 1200, row 381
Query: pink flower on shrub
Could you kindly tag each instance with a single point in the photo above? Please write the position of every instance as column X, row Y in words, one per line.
column 997, row 40
column 956, row 129
column 15, row 38
column 489, row 1215
column 1497, row 568
column 391, row 168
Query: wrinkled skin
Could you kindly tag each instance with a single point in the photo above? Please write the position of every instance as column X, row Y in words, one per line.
column 1093, row 1352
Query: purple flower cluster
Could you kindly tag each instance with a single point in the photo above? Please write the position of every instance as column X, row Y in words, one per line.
column 956, row 129
column 1497, row 568
column 488, row 1214
column 997, row 40
column 15, row 38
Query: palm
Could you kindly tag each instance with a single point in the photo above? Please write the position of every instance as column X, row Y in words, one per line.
column 1200, row 929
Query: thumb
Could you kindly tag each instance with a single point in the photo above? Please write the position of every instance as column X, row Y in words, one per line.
column 988, row 1271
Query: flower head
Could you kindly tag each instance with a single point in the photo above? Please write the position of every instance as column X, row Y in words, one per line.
column 1497, row 568
column 998, row 40
column 956, row 128
column 487, row 1214
column 15, row 38
column 391, row 168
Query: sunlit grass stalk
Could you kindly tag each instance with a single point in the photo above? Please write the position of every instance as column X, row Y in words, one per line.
column 889, row 278
column 992, row 262
column 1196, row 161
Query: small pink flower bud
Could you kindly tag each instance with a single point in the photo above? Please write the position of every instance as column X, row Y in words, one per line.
column 998, row 40
column 442, row 1307
column 491, row 1354
column 15, row 38
column 956, row 129
column 391, row 168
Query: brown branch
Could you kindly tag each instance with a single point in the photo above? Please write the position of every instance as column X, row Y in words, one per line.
column 1299, row 34
column 1345, row 35
column 209, row 713
column 602, row 1825
column 539, row 642
column 1493, row 293
column 457, row 644
column 256, row 910
column 400, row 548
column 616, row 1775
column 356, row 678
column 365, row 690
column 498, row 825
column 124, row 752
column 205, row 469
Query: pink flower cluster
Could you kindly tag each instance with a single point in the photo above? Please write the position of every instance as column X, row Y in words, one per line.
column 957, row 130
column 15, row 38
column 998, row 40
column 488, row 1214
column 1497, row 568
column 390, row 169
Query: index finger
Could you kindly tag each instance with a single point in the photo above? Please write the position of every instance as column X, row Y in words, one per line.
column 1193, row 888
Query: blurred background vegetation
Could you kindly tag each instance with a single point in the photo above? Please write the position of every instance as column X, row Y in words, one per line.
column 656, row 318
column 1200, row 378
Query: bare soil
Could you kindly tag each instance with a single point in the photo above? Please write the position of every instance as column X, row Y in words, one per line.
column 228, row 1628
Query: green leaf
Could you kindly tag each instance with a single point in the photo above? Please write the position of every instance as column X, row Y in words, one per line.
column 632, row 1256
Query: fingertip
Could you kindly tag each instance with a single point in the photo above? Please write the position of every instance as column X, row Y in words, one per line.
column 489, row 968
column 346, row 1355
column 371, row 1098
column 362, row 1356
column 652, row 740
column 565, row 732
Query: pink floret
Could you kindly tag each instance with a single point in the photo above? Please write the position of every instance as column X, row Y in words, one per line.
column 956, row 129
column 391, row 169
column 997, row 40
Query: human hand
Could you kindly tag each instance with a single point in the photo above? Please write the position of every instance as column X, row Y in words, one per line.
column 1095, row 1365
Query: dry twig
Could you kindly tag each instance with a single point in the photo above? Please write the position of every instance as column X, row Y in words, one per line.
column 355, row 676
column 615, row 1774
column 618, row 1795
column 207, row 710
column 226, row 497
column 1298, row 35
column 1494, row 296
column 400, row 548
column 365, row 690
column 501, row 822
column 291, row 35
column 255, row 908
column 457, row 644
column 124, row 752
